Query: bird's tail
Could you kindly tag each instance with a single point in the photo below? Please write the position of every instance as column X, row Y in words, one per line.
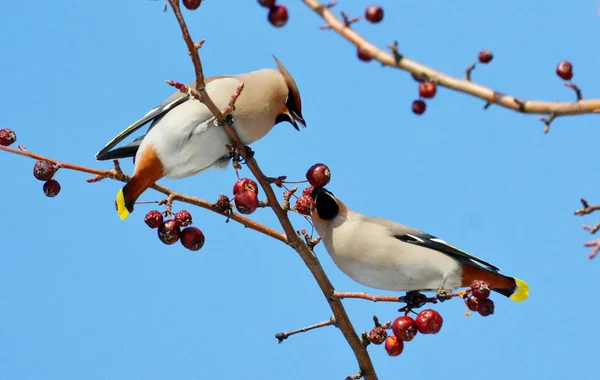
column 127, row 196
column 519, row 292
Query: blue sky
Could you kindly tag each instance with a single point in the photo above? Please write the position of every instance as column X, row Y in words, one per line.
column 84, row 295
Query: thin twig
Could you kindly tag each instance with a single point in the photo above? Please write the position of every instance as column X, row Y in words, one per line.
column 596, row 245
column 284, row 335
column 587, row 209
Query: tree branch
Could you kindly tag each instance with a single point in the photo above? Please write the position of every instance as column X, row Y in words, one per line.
column 461, row 85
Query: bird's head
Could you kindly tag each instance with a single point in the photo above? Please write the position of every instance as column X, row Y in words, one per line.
column 325, row 206
column 292, row 109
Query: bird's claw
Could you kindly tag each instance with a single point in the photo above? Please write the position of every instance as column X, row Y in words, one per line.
column 443, row 295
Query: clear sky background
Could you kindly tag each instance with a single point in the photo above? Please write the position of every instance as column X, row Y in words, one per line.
column 84, row 295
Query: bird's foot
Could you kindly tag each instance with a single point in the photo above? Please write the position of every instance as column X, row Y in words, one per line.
column 414, row 300
column 443, row 295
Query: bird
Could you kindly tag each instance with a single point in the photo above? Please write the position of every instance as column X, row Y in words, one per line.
column 183, row 138
column 386, row 255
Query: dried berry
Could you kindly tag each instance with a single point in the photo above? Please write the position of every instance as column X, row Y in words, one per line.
column 153, row 218
column 169, row 232
column 374, row 14
column 363, row 55
column 246, row 202
column 565, row 70
column 394, row 346
column 308, row 191
column 7, row 137
column 480, row 289
column 472, row 303
column 192, row 4
column 419, row 107
column 245, row 184
column 44, row 170
column 183, row 218
column 267, row 3
column 303, row 204
column 404, row 328
column 278, row 15
column 429, row 322
column 485, row 307
column 427, row 89
column 51, row 188
column 378, row 335
column 485, row 56
column 192, row 238
column 318, row 175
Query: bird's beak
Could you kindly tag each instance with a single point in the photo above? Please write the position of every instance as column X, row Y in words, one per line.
column 297, row 118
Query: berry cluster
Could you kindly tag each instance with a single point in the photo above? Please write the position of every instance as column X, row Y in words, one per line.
column 278, row 14
column 404, row 329
column 45, row 171
column 169, row 231
column 245, row 195
column 479, row 300
column 304, row 203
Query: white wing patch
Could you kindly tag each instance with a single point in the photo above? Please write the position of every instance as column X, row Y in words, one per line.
column 416, row 238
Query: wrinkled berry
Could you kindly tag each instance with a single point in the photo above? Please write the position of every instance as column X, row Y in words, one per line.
column 192, row 238
column 394, row 346
column 192, row 4
column 7, row 137
column 485, row 56
column 303, row 204
column 183, row 218
column 427, row 89
column 419, row 106
column 246, row 202
column 472, row 303
column 51, row 188
column 404, row 328
column 153, row 218
column 318, row 175
column 480, row 289
column 44, row 170
column 485, row 307
column 378, row 335
column 245, row 184
column 429, row 322
column 374, row 14
column 565, row 70
column 278, row 15
column 308, row 191
column 169, row 232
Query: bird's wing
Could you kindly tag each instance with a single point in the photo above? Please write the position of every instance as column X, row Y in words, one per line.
column 153, row 114
column 413, row 236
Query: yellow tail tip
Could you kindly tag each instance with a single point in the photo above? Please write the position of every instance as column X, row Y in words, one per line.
column 521, row 292
column 121, row 207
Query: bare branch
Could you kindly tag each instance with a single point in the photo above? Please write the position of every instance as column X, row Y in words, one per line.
column 284, row 335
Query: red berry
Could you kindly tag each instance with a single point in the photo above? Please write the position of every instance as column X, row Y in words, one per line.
column 419, row 107
column 169, row 232
column 318, row 175
column 44, row 170
column 485, row 56
column 565, row 70
column 303, row 204
column 427, row 89
column 378, row 335
column 429, row 322
column 192, row 238
column 485, row 307
column 183, row 218
column 153, row 218
column 308, row 191
column 374, row 14
column 7, row 137
column 480, row 289
column 246, row 202
column 404, row 328
column 394, row 346
column 192, row 4
column 244, row 184
column 278, row 15
column 363, row 55
column 267, row 3
column 51, row 188
column 472, row 303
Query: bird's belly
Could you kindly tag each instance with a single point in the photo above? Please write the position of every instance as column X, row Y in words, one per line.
column 193, row 154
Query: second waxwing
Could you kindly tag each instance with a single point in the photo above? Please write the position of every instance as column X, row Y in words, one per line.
column 183, row 138
column 387, row 255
